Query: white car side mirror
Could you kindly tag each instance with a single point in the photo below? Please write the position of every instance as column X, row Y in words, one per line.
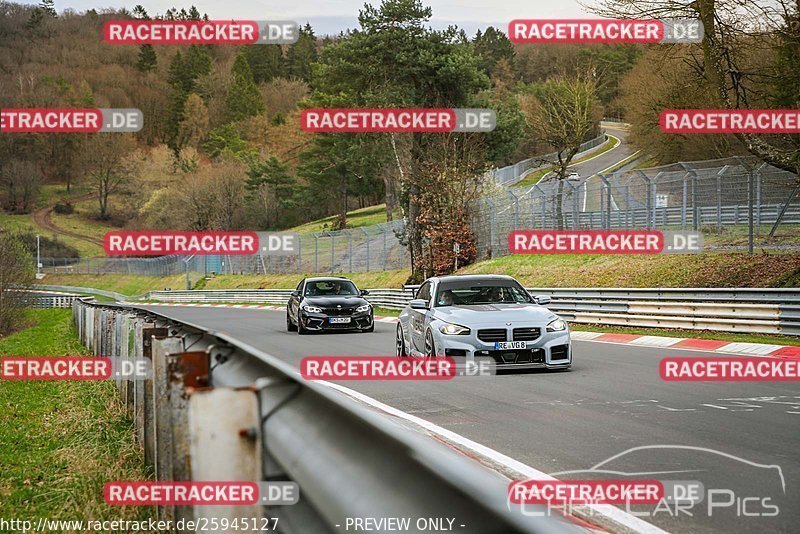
column 542, row 300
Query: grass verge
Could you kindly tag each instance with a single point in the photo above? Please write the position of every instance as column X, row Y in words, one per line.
column 61, row 441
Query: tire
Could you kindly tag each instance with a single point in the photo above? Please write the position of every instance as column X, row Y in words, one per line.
column 301, row 330
column 290, row 326
column 400, row 343
column 430, row 345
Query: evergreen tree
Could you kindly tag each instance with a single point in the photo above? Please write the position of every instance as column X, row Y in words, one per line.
column 302, row 54
column 244, row 99
column 492, row 46
column 148, row 60
column 266, row 62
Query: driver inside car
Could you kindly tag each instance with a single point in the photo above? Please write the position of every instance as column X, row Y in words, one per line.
column 446, row 298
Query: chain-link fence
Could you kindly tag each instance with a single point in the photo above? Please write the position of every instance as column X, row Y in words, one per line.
column 718, row 196
column 368, row 248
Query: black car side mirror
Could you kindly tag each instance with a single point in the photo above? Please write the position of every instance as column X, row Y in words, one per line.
column 295, row 293
column 364, row 292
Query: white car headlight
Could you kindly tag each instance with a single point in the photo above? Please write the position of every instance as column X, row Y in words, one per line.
column 557, row 325
column 453, row 329
column 312, row 309
column 363, row 308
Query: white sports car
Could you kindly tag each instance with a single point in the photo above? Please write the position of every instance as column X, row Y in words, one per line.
column 483, row 315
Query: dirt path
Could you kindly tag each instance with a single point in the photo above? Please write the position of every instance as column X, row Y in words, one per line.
column 42, row 218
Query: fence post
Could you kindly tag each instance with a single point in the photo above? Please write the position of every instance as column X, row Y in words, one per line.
column 649, row 194
column 750, row 200
column 758, row 197
column 492, row 226
column 366, row 235
column 333, row 253
column 695, row 210
column 316, row 253
column 515, row 202
column 543, row 202
column 683, row 202
column 605, row 199
column 385, row 231
column 299, row 254
column 628, row 212
column 574, row 205
column 350, row 249
column 719, row 197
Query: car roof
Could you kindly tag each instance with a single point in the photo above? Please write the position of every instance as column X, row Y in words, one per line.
column 472, row 277
column 324, row 278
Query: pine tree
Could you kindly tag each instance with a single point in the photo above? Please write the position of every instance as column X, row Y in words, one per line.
column 302, row 54
column 266, row 62
column 244, row 99
column 147, row 58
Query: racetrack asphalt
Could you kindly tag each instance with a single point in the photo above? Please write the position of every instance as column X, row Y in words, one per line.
column 729, row 436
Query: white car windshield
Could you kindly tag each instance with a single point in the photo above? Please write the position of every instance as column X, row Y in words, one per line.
column 483, row 294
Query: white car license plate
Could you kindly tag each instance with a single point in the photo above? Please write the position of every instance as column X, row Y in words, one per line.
column 338, row 320
column 510, row 345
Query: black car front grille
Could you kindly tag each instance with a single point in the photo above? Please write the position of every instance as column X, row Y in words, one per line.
column 559, row 352
column 527, row 334
column 501, row 357
column 491, row 335
column 339, row 311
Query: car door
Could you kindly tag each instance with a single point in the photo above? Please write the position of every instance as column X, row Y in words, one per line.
column 417, row 318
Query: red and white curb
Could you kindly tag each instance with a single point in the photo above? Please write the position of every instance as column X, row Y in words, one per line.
column 682, row 343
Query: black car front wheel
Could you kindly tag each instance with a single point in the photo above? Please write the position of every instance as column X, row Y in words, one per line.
column 290, row 326
column 301, row 330
column 430, row 346
column 400, row 343
column 371, row 327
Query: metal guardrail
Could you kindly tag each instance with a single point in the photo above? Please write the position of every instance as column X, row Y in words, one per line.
column 219, row 409
column 31, row 298
column 754, row 310
column 82, row 290
column 513, row 174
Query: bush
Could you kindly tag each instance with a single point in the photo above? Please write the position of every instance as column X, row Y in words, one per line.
column 16, row 272
column 48, row 247
column 64, row 208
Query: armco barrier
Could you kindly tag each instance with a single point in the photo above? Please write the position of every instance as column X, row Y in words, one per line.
column 754, row 310
column 218, row 409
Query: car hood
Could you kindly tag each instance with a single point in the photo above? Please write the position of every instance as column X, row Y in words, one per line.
column 332, row 302
column 496, row 314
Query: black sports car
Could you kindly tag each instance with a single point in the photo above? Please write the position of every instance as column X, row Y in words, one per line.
column 324, row 304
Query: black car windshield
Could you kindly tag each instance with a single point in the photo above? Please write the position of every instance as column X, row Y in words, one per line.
column 331, row 288
column 466, row 295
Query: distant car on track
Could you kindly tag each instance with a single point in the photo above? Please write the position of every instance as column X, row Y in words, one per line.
column 327, row 304
column 483, row 315
column 574, row 177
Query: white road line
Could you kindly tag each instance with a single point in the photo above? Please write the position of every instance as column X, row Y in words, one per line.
column 525, row 471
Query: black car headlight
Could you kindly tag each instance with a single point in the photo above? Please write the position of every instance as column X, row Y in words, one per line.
column 363, row 308
column 453, row 329
column 312, row 309
column 557, row 325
